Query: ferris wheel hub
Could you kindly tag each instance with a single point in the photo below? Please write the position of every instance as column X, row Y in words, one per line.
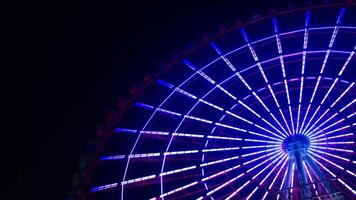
column 296, row 143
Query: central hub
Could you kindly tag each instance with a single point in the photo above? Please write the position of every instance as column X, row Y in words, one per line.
column 295, row 143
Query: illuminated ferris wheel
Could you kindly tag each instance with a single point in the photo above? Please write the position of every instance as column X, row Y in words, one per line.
column 264, row 110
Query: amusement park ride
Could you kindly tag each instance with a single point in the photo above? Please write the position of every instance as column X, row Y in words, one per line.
column 264, row 110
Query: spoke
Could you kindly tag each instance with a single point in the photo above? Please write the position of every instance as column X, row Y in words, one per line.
column 104, row 187
column 181, row 134
column 331, row 43
column 274, row 151
column 274, row 180
column 139, row 136
column 247, row 85
column 264, row 179
column 332, row 155
column 305, row 46
column 311, row 132
column 178, row 189
column 330, row 162
column 283, row 181
column 328, row 133
column 263, row 119
column 330, row 89
column 340, row 180
column 333, row 143
column 310, row 178
column 145, row 178
column 149, row 107
column 265, row 79
column 333, row 149
column 190, row 65
column 333, row 137
column 292, row 179
column 279, row 46
column 209, row 193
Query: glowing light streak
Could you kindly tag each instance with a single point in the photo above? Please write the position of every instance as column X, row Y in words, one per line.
column 330, row 154
column 310, row 178
column 333, row 149
column 177, row 171
column 321, row 157
column 243, row 80
column 341, row 181
column 292, row 178
column 336, row 28
column 104, row 187
column 283, row 182
column 315, row 136
column 338, row 99
column 235, row 178
column 219, row 108
column 178, row 189
column 135, row 180
column 305, row 46
column 333, row 137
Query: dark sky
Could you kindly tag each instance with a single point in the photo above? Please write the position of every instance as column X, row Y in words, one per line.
column 83, row 55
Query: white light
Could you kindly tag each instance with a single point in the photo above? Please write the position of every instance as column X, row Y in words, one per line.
column 292, row 179
column 248, row 108
column 226, row 92
column 352, row 84
column 326, row 169
column 219, row 173
column 168, row 112
column 223, row 138
column 177, row 171
column 220, row 149
column 210, row 104
column 188, row 135
column 223, row 185
column 334, row 149
column 180, row 152
column 185, row 93
column 138, row 179
column 178, row 189
column 283, row 180
column 155, row 132
column 144, row 155
column 198, row 119
column 310, row 178
column 219, row 161
column 238, row 117
column 230, row 127
column 347, row 186
column 346, row 63
column 321, row 157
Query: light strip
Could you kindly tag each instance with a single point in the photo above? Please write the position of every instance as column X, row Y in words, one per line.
column 331, row 43
column 254, row 177
column 244, row 33
column 215, row 106
column 280, row 52
column 310, row 179
column 243, row 80
column 310, row 132
column 305, row 46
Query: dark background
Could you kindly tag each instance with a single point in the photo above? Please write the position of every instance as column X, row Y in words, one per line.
column 81, row 56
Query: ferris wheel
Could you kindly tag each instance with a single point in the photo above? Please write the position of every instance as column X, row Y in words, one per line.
column 264, row 110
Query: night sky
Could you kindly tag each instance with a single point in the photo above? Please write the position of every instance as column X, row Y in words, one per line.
column 83, row 55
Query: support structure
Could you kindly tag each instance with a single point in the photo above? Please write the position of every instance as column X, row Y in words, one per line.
column 297, row 146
